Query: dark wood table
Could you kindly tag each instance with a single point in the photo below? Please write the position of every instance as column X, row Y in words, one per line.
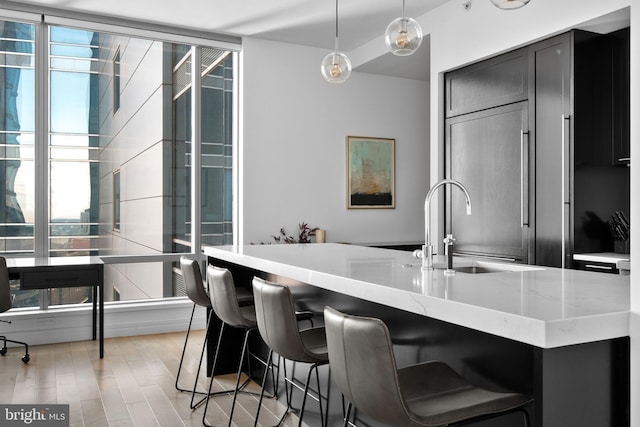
column 64, row 272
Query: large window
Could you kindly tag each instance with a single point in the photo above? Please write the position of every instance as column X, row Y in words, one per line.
column 73, row 141
column 113, row 128
column 216, row 149
column 17, row 130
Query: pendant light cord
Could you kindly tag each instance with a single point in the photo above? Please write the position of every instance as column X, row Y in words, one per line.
column 336, row 26
column 403, row 15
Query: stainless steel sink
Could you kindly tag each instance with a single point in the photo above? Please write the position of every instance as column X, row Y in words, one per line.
column 476, row 269
column 479, row 267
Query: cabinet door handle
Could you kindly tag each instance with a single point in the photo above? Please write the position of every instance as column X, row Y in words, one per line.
column 566, row 120
column 601, row 267
column 524, row 179
column 566, row 202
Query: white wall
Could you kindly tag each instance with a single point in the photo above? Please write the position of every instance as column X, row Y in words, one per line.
column 635, row 213
column 293, row 153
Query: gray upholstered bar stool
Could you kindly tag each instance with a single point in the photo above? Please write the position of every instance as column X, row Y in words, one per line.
column 278, row 326
column 427, row 394
column 224, row 302
column 197, row 293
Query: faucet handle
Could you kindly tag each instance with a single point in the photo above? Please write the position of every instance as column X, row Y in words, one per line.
column 448, row 251
column 448, row 243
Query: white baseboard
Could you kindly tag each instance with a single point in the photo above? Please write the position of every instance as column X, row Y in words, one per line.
column 73, row 323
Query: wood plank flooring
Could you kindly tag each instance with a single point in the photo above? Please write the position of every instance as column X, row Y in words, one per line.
column 132, row 386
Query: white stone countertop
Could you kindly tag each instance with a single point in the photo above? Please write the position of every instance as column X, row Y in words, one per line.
column 611, row 257
column 542, row 306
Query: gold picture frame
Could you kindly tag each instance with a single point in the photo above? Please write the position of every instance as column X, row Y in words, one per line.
column 370, row 173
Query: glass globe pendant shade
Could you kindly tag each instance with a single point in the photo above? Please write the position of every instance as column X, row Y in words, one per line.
column 509, row 4
column 403, row 36
column 336, row 67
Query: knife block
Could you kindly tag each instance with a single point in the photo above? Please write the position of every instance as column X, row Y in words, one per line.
column 621, row 246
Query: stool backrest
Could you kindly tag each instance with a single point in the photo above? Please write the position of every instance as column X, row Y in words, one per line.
column 276, row 317
column 193, row 282
column 363, row 366
column 224, row 299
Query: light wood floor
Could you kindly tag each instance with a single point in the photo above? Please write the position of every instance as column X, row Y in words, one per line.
column 132, row 386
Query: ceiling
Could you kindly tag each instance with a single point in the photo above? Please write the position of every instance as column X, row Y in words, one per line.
column 304, row 22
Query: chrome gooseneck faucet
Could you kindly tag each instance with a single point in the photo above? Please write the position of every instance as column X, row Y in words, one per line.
column 427, row 249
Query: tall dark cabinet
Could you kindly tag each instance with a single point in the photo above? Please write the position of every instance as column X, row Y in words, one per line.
column 487, row 150
column 537, row 136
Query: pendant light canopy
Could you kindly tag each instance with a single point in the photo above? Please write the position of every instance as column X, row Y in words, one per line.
column 336, row 66
column 509, row 4
column 403, row 35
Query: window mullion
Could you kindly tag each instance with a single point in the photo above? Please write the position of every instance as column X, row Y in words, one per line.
column 41, row 205
column 196, row 150
column 41, row 144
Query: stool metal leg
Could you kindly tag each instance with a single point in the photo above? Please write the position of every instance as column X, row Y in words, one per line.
column 347, row 414
column 525, row 414
column 306, row 391
column 195, row 384
column 213, row 370
column 264, row 381
column 289, row 394
column 239, row 387
column 193, row 391
column 184, row 349
column 235, row 393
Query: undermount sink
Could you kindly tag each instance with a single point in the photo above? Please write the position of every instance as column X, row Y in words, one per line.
column 478, row 267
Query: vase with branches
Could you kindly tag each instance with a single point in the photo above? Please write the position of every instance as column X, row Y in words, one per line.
column 305, row 233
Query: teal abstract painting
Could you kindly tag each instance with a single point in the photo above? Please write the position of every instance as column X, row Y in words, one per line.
column 370, row 172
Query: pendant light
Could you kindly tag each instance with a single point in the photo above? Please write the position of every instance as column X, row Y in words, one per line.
column 509, row 4
column 403, row 35
column 336, row 66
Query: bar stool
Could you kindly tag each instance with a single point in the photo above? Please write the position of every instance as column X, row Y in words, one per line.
column 277, row 323
column 197, row 293
column 224, row 302
column 428, row 394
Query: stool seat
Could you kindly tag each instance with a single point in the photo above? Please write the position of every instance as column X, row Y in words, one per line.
column 244, row 296
column 427, row 394
column 314, row 341
column 249, row 314
column 446, row 398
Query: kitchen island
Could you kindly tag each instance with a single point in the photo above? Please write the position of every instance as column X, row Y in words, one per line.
column 559, row 335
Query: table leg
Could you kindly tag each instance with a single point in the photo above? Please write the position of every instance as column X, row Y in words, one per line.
column 101, row 296
column 95, row 307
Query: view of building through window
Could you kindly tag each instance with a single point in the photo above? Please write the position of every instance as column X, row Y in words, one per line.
column 134, row 121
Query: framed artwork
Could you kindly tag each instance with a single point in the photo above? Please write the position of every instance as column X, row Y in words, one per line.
column 370, row 173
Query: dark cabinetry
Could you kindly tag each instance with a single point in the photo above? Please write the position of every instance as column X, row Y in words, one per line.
column 598, row 267
column 601, row 97
column 491, row 83
column 621, row 82
column 488, row 153
column 536, row 135
column 487, row 149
